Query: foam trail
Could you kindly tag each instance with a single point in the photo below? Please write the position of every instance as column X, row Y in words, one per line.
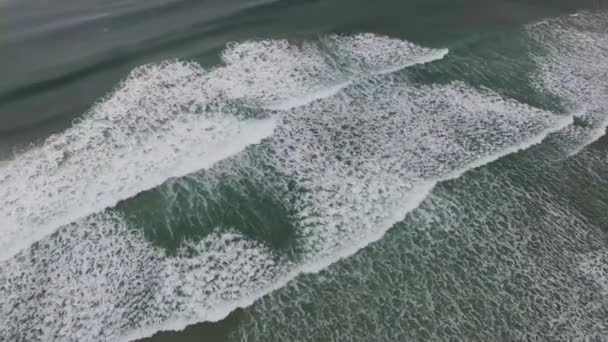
column 415, row 197
column 322, row 93
column 573, row 68
column 598, row 132
column 172, row 119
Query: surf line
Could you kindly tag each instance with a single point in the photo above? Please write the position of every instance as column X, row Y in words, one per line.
column 419, row 193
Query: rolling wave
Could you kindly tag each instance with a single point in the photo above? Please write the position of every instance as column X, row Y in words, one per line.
column 385, row 145
column 174, row 118
column 155, row 126
column 111, row 274
column 349, row 148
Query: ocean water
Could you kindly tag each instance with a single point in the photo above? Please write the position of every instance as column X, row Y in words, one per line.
column 282, row 170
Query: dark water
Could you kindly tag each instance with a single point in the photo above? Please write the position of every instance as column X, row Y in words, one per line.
column 303, row 170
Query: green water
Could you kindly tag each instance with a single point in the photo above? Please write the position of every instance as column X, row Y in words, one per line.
column 493, row 255
column 446, row 199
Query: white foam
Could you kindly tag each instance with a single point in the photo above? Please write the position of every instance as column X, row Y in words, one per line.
column 348, row 167
column 339, row 207
column 574, row 68
column 368, row 53
column 152, row 128
column 576, row 138
column 304, row 73
column 111, row 280
column 172, row 119
column 119, row 287
column 559, row 125
column 474, row 234
column 308, row 98
column 421, row 56
column 596, row 268
column 363, row 159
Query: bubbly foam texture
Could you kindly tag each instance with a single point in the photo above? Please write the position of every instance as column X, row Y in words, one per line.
column 483, row 258
column 171, row 119
column 358, row 163
column 312, row 70
column 361, row 160
column 348, row 167
column 163, row 121
column 347, row 60
column 574, row 68
column 596, row 267
column 155, row 126
column 116, row 285
column 499, row 254
column 111, row 280
column 370, row 54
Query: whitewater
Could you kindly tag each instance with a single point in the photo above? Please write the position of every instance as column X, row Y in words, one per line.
column 333, row 128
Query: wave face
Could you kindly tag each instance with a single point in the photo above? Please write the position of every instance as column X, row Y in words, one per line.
column 362, row 149
column 175, row 118
column 573, row 68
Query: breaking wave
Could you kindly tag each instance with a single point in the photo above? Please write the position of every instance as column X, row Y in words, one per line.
column 340, row 140
column 174, row 118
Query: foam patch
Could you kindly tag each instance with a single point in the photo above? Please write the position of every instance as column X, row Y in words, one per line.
column 164, row 121
column 574, row 69
column 483, row 258
column 99, row 279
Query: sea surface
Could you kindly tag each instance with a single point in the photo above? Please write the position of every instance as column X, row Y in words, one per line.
column 303, row 170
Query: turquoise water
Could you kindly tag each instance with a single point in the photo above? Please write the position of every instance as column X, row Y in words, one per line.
column 411, row 171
